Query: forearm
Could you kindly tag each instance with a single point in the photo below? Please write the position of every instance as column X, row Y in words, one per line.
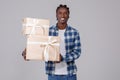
column 71, row 56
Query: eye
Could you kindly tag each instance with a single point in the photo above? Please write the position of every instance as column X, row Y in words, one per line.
column 59, row 12
column 65, row 13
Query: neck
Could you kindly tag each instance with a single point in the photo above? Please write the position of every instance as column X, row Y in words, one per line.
column 61, row 26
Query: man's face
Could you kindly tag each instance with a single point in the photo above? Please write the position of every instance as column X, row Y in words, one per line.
column 62, row 15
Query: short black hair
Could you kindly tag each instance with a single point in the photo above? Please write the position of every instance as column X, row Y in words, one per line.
column 63, row 6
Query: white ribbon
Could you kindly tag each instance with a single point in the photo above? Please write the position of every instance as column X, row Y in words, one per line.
column 34, row 25
column 47, row 45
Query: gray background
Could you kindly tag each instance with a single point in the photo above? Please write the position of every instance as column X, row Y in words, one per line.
column 98, row 22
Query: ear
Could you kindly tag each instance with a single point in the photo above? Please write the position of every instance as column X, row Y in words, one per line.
column 68, row 16
column 56, row 17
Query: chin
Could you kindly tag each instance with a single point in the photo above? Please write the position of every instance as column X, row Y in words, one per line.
column 63, row 22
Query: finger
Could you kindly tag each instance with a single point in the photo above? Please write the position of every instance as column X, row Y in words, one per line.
column 24, row 57
column 22, row 53
column 57, row 62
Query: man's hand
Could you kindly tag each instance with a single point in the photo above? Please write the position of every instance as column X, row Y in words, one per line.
column 24, row 55
column 59, row 60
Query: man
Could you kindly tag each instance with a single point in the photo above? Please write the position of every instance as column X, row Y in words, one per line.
column 70, row 50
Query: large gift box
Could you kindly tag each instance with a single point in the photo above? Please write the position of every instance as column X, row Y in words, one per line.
column 35, row 26
column 43, row 48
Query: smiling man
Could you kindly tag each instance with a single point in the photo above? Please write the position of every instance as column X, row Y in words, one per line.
column 70, row 49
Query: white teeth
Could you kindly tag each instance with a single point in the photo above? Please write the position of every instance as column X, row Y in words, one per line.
column 62, row 18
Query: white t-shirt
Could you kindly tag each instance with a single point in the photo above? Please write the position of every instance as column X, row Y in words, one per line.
column 61, row 68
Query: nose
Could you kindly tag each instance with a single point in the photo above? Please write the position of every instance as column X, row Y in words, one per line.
column 63, row 15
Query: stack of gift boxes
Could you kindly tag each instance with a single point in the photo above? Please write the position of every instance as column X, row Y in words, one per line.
column 40, row 46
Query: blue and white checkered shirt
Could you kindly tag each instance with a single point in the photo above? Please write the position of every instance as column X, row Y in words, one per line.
column 73, row 50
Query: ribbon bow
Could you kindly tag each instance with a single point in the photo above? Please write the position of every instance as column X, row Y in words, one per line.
column 48, row 45
column 35, row 24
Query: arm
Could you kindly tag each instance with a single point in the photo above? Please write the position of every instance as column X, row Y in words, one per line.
column 75, row 52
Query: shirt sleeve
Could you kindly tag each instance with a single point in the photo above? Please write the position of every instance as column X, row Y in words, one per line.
column 75, row 52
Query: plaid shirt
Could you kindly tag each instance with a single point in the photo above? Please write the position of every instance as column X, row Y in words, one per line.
column 73, row 50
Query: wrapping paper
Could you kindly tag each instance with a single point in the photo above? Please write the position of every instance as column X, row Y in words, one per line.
column 43, row 48
column 35, row 26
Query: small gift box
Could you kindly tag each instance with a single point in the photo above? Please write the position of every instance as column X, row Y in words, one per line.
column 43, row 48
column 35, row 26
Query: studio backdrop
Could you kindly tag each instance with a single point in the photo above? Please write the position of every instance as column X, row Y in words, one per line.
column 98, row 22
